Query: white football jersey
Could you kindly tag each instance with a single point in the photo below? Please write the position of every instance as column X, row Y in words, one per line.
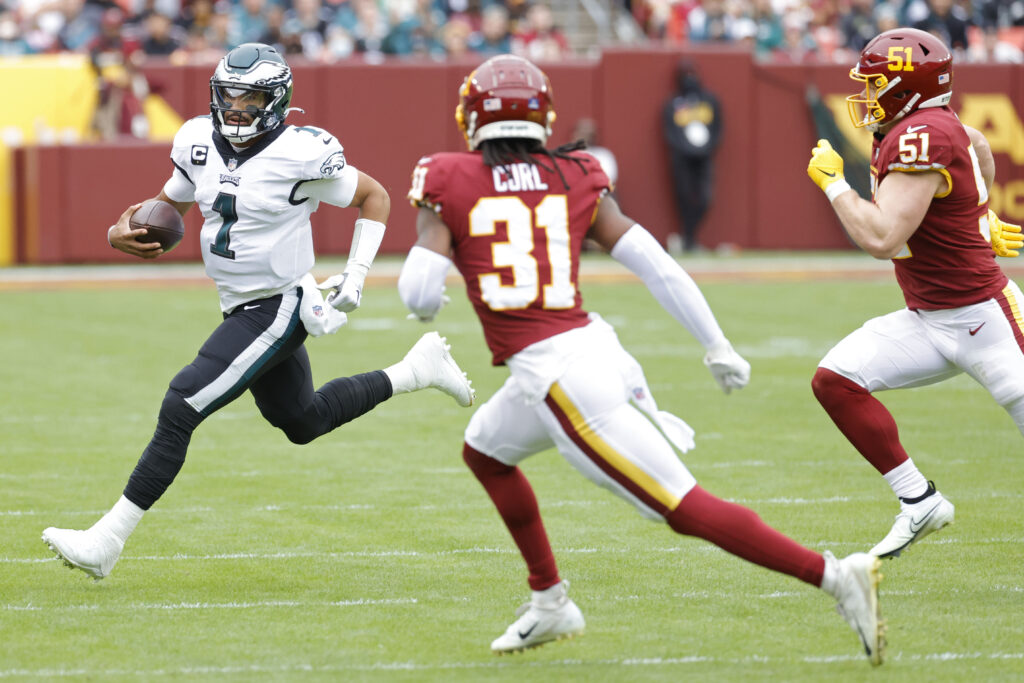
column 256, row 239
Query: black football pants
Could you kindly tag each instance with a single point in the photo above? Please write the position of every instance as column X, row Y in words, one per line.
column 258, row 347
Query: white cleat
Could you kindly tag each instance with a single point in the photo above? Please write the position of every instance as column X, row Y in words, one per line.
column 550, row 615
column 858, row 602
column 94, row 552
column 433, row 366
column 914, row 522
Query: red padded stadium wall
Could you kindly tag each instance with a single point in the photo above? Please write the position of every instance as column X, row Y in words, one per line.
column 388, row 115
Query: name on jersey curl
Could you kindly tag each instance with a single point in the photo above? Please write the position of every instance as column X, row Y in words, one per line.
column 517, row 178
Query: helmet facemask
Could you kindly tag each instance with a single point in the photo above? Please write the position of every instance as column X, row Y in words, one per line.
column 864, row 109
column 243, row 111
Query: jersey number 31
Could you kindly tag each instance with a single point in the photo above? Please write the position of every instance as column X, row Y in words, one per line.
column 522, row 255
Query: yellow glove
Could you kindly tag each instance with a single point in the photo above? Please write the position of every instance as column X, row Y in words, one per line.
column 826, row 170
column 1006, row 237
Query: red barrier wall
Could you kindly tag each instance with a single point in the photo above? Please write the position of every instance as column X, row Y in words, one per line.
column 389, row 115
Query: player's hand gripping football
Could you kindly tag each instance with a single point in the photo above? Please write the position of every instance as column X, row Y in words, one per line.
column 728, row 368
column 347, row 289
column 1006, row 237
column 826, row 170
column 123, row 238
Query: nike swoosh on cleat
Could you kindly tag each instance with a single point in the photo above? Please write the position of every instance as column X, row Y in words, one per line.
column 249, row 308
column 915, row 525
column 830, row 175
column 524, row 636
column 976, row 329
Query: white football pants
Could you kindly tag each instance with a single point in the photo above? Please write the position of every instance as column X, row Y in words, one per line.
column 914, row 348
column 582, row 393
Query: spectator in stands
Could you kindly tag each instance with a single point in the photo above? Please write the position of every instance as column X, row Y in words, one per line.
column 248, row 22
column 798, row 45
column 122, row 85
column 80, row 27
column 196, row 15
column 1000, row 12
column 692, row 123
column 709, row 22
column 11, row 42
column 340, row 43
column 857, row 26
column 494, row 37
column 273, row 34
column 310, row 20
column 371, row 28
column 994, row 50
column 540, row 40
column 768, row 28
column 886, row 17
column 160, row 38
column 291, row 38
column 455, row 36
column 946, row 21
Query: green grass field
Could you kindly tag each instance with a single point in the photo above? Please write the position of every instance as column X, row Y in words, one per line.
column 373, row 554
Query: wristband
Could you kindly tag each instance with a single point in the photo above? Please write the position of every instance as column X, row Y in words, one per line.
column 108, row 236
column 365, row 242
column 836, row 189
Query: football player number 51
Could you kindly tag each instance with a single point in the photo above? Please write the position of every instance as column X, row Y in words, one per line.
column 522, row 255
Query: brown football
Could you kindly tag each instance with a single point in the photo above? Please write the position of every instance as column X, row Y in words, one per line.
column 162, row 222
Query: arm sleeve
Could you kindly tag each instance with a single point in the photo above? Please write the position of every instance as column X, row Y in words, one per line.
column 421, row 282
column 338, row 190
column 673, row 288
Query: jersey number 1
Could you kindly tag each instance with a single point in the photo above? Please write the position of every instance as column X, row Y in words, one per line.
column 224, row 204
column 521, row 254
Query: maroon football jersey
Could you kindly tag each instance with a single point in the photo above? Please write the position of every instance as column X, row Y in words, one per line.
column 517, row 231
column 948, row 261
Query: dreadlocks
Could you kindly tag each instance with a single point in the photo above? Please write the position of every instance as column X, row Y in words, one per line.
column 505, row 151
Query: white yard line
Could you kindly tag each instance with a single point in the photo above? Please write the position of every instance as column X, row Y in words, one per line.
column 518, row 663
column 185, row 557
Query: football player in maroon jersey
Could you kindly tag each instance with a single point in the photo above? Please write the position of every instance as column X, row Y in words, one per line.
column 930, row 215
column 512, row 216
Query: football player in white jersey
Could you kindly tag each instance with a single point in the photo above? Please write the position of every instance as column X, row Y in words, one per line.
column 257, row 180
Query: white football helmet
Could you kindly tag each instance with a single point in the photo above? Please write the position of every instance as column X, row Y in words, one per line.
column 258, row 70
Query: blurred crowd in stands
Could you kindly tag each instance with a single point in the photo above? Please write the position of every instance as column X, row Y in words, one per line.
column 328, row 30
column 319, row 30
column 837, row 30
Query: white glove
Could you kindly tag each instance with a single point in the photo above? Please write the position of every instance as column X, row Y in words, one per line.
column 445, row 300
column 346, row 289
column 317, row 317
column 727, row 367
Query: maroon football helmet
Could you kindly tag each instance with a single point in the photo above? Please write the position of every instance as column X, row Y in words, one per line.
column 902, row 70
column 505, row 97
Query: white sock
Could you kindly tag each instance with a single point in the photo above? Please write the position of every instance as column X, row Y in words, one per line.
column 121, row 520
column 906, row 481
column 402, row 378
column 553, row 596
column 830, row 578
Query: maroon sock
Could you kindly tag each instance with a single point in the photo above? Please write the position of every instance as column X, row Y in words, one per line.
column 740, row 531
column 513, row 496
column 862, row 419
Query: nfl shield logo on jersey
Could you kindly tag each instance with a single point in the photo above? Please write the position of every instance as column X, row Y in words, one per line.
column 232, row 164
